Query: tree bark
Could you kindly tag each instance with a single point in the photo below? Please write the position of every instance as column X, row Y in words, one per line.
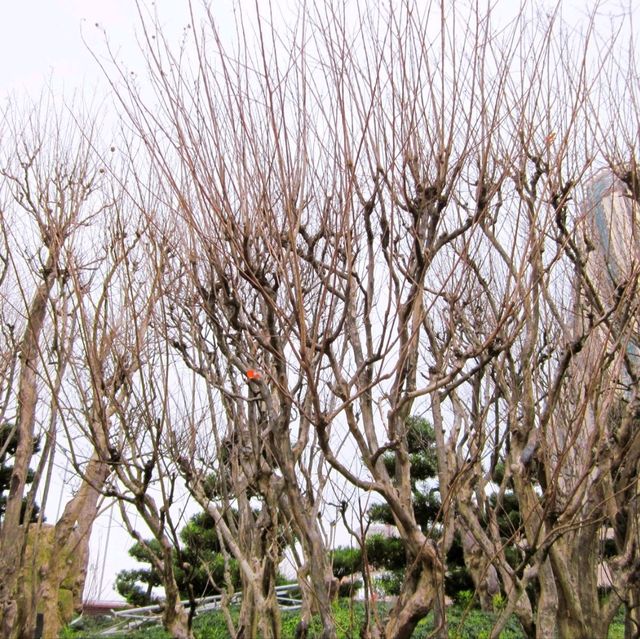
column 484, row 575
column 12, row 534
column 71, row 540
column 632, row 616
column 423, row 579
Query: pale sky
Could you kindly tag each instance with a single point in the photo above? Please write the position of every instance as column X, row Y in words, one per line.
column 41, row 41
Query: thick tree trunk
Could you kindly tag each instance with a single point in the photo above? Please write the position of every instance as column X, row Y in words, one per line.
column 247, row 619
column 259, row 611
column 69, row 552
column 12, row 534
column 175, row 618
column 321, row 581
column 260, row 614
column 303, row 514
column 534, row 527
column 423, row 578
column 269, row 615
column 569, row 628
column 547, row 603
column 483, row 573
column 317, row 598
column 632, row 617
column 575, row 564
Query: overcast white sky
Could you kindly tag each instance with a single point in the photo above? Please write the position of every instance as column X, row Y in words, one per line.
column 42, row 40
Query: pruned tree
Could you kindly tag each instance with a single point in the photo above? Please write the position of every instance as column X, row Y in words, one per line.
column 201, row 570
column 50, row 190
column 116, row 396
column 372, row 213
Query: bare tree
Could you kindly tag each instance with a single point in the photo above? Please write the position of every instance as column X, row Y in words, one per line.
column 116, row 397
column 50, row 183
column 550, row 406
column 372, row 216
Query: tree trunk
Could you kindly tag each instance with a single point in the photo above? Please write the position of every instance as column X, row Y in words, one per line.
column 547, row 602
column 440, row 617
column 247, row 621
column 302, row 629
column 570, row 628
column 303, row 513
column 175, row 618
column 12, row 534
column 632, row 616
column 321, row 582
column 535, row 531
column 423, row 578
column 270, row 614
column 259, row 612
column 575, row 560
column 71, row 540
column 483, row 573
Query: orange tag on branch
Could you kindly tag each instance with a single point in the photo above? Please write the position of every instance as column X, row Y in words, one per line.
column 254, row 375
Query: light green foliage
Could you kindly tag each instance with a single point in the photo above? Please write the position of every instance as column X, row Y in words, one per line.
column 498, row 601
column 464, row 598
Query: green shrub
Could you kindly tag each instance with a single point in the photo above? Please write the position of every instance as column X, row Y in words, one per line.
column 465, row 598
column 348, row 589
column 498, row 601
column 389, row 583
